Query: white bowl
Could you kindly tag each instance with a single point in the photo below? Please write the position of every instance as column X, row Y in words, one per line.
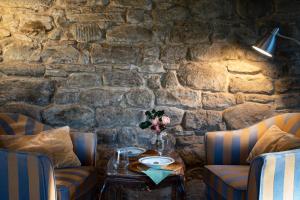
column 156, row 162
column 134, row 151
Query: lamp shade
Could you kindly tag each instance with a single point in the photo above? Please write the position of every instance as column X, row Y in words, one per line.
column 267, row 44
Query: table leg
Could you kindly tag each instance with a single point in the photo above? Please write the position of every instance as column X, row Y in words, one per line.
column 103, row 189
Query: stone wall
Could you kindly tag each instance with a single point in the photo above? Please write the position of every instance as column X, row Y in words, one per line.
column 97, row 65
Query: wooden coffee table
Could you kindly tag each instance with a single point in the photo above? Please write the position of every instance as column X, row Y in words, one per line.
column 118, row 180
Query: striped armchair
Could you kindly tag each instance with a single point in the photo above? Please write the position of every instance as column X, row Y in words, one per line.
column 30, row 176
column 270, row 176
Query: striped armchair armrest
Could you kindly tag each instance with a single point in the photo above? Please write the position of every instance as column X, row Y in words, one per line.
column 233, row 147
column 275, row 176
column 26, row 176
column 85, row 147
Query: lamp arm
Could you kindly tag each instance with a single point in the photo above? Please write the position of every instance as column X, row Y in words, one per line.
column 289, row 38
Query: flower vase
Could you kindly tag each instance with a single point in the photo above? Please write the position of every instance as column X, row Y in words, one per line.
column 159, row 144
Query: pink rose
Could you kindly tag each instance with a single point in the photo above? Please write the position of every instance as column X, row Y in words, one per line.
column 165, row 120
column 155, row 121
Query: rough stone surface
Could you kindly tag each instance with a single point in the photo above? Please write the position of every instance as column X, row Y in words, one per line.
column 169, row 80
column 246, row 114
column 82, row 80
column 202, row 120
column 118, row 116
column 202, row 76
column 97, row 97
column 75, row 116
column 178, row 97
column 242, row 67
column 23, row 108
column 122, row 78
column 98, row 65
column 32, row 90
column 218, row 101
column 18, row 69
column 129, row 34
column 141, row 98
column 87, row 32
column 66, row 96
column 251, row 84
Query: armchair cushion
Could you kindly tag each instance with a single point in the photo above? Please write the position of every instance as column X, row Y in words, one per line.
column 274, row 140
column 73, row 183
column 230, row 181
column 55, row 143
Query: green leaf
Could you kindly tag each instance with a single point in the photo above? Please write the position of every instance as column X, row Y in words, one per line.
column 160, row 113
column 148, row 114
column 145, row 125
column 153, row 111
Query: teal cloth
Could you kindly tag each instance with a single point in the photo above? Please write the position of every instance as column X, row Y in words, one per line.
column 157, row 175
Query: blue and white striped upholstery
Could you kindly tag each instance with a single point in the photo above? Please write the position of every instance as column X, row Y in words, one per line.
column 233, row 147
column 272, row 176
column 72, row 183
column 228, row 180
column 17, row 124
column 26, row 176
column 85, row 147
column 29, row 176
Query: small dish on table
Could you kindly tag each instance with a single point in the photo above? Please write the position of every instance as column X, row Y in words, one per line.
column 156, row 162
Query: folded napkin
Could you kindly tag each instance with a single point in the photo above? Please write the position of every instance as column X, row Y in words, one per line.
column 157, row 175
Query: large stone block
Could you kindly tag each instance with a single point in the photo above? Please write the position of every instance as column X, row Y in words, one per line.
column 179, row 97
column 173, row 54
column 122, row 78
column 117, row 116
column 87, row 32
column 19, row 69
column 243, row 67
column 202, row 120
column 141, row 98
column 251, row 84
column 217, row 101
column 21, row 52
column 193, row 155
column 97, row 97
column 252, row 10
column 145, row 4
column 287, row 84
column 153, row 82
column 190, row 33
column 113, row 54
column 216, row 52
column 203, row 76
column 211, row 10
column 62, row 54
column 247, row 114
column 23, row 108
column 129, row 33
column 4, row 33
column 66, row 96
column 135, row 16
column 75, row 116
column 288, row 101
column 32, row 90
column 169, row 80
column 25, row 3
column 259, row 98
column 170, row 15
column 175, row 114
column 83, row 80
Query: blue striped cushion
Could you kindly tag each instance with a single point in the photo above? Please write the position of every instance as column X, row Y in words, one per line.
column 229, row 181
column 72, row 183
column 18, row 124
